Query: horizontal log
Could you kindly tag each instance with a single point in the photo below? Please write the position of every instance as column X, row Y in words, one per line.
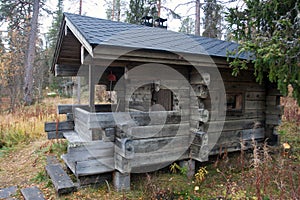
column 152, row 162
column 234, row 124
column 244, row 87
column 61, row 126
column 108, row 120
column 131, row 148
column 155, row 131
column 275, row 110
column 256, row 96
column 68, row 108
column 55, row 135
column 249, row 105
column 273, row 119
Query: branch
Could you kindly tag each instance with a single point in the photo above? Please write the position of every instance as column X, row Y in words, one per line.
column 183, row 4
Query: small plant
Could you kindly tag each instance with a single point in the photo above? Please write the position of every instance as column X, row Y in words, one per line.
column 41, row 176
column 201, row 174
column 175, row 167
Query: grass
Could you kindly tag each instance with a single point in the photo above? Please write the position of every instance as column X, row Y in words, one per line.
column 26, row 124
column 263, row 173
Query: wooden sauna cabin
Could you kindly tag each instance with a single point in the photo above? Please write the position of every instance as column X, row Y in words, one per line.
column 176, row 99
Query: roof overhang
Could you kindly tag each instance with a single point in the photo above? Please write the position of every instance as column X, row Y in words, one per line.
column 69, row 48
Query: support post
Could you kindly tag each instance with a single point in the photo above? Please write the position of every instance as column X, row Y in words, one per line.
column 190, row 165
column 91, row 88
column 121, row 181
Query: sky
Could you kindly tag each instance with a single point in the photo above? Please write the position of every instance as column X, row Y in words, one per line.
column 97, row 8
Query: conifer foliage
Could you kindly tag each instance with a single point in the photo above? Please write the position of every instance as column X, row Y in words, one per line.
column 270, row 30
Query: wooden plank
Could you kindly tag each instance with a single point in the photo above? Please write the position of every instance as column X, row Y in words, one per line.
column 94, row 166
column 60, row 179
column 156, row 131
column 234, row 124
column 149, row 162
column 132, row 148
column 73, row 137
column 68, row 108
column 257, row 96
column 97, row 144
column 90, row 153
column 8, row 192
column 32, row 193
column 107, row 120
column 273, row 119
column 55, row 135
column 244, row 86
column 61, row 126
column 51, row 160
column 87, row 133
column 255, row 105
column 69, row 162
column 275, row 110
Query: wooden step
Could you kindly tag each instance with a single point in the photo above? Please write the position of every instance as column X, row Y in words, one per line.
column 60, row 179
column 92, row 166
column 32, row 193
column 8, row 192
column 73, row 137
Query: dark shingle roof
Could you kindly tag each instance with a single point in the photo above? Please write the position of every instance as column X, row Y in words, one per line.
column 105, row 32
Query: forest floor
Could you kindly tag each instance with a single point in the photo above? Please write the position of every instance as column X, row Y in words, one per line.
column 262, row 173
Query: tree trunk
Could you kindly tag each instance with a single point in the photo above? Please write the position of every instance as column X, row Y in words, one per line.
column 80, row 7
column 197, row 20
column 158, row 8
column 29, row 60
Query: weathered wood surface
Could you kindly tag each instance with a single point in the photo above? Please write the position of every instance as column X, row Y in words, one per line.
column 52, row 160
column 90, row 158
column 95, row 166
column 154, row 131
column 73, row 137
column 8, row 192
column 60, row 179
column 107, row 120
column 130, row 148
column 121, row 181
column 233, row 125
column 32, row 193
column 55, row 135
column 150, row 161
column 60, row 126
column 68, row 108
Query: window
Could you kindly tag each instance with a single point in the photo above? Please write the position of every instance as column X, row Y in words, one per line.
column 234, row 102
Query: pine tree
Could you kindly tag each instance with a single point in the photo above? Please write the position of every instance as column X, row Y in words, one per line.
column 212, row 19
column 136, row 11
column 30, row 54
column 187, row 26
column 115, row 9
column 51, row 36
column 270, row 30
